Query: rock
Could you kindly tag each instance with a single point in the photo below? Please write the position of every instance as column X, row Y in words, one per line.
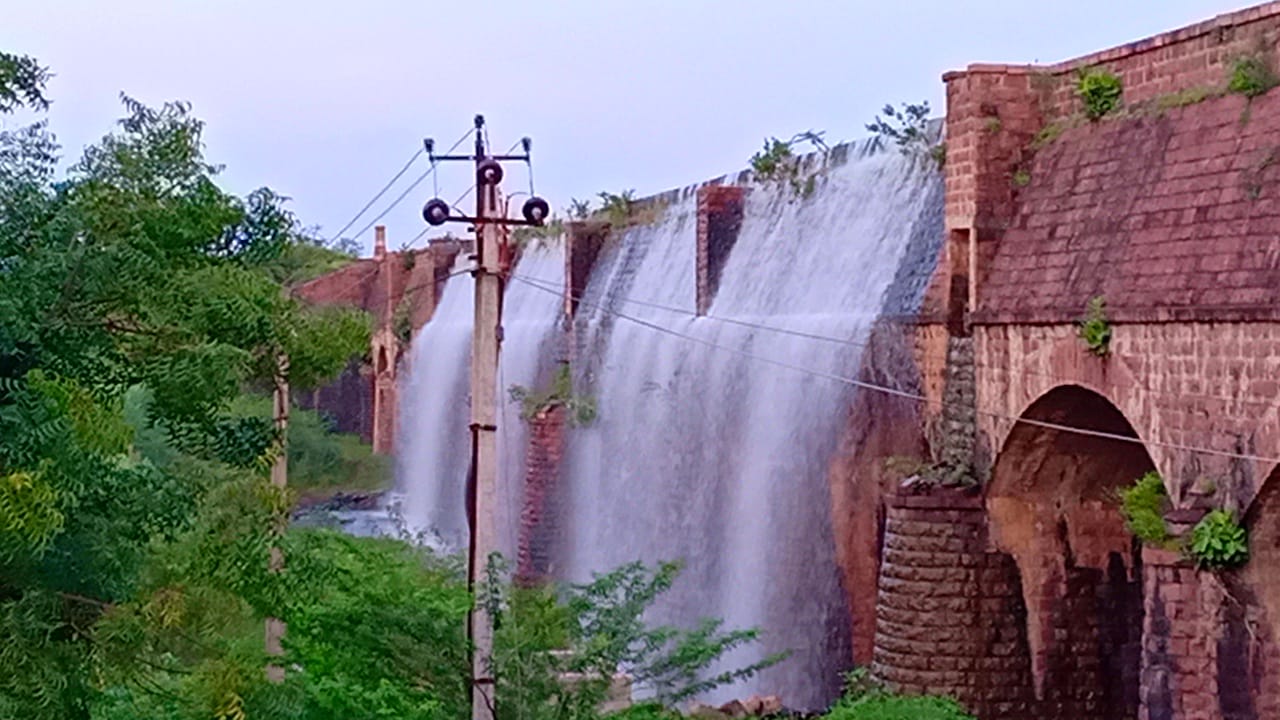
column 763, row 705
column 735, row 709
column 703, row 711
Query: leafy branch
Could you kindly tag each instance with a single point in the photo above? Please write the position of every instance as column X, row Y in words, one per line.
column 581, row 408
column 908, row 129
column 777, row 162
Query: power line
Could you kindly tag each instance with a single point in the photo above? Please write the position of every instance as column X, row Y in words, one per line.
column 904, row 393
column 375, row 198
column 416, row 183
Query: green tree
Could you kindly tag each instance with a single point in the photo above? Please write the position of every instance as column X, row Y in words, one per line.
column 135, row 271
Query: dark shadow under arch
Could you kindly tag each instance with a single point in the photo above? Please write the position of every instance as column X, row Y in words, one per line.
column 1052, row 506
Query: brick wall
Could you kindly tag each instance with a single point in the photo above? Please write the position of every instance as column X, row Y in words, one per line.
column 1210, row 385
column 537, row 518
column 950, row 618
column 1169, row 217
column 719, row 220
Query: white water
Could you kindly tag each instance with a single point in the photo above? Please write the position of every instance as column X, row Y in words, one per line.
column 702, row 451
column 707, row 455
column 434, row 451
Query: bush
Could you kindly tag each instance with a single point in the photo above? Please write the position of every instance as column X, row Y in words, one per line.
column 1251, row 76
column 864, row 699
column 1095, row 329
column 321, row 460
column 1100, row 90
column 1143, row 507
column 886, row 706
column 1219, row 541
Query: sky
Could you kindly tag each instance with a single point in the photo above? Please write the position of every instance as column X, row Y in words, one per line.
column 325, row 101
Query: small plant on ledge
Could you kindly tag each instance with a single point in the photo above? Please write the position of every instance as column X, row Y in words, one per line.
column 1095, row 329
column 581, row 409
column 1100, row 90
column 908, row 128
column 1218, row 541
column 1143, row 505
column 1251, row 76
column 778, row 163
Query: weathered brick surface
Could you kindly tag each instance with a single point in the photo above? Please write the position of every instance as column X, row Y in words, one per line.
column 1203, row 385
column 950, row 617
column 542, row 469
column 1169, row 217
column 719, row 220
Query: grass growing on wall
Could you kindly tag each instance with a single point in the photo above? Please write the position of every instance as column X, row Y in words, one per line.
column 1143, row 505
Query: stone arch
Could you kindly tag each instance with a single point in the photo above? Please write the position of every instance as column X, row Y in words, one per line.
column 1052, row 506
column 1261, row 593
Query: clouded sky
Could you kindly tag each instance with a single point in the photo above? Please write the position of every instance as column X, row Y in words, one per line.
column 324, row 101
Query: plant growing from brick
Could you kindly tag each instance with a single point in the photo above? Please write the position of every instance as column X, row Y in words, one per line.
column 522, row 236
column 1218, row 541
column 1100, row 90
column 1143, row 505
column 1021, row 178
column 1095, row 329
column 617, row 207
column 778, row 163
column 908, row 128
column 1251, row 76
column 581, row 408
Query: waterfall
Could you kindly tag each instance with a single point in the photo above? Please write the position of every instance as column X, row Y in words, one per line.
column 435, row 448
column 705, row 449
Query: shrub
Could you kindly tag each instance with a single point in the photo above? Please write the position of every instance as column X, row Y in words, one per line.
column 581, row 408
column 908, row 128
column 1100, row 90
column 1095, row 330
column 1143, row 506
column 1219, row 541
column 864, row 699
column 778, row 163
column 1251, row 76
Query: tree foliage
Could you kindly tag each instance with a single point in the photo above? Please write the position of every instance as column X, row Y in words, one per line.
column 138, row 299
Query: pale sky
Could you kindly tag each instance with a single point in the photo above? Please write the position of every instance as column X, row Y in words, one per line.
column 325, row 101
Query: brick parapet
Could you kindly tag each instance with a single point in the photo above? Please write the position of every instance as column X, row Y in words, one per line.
column 1192, row 56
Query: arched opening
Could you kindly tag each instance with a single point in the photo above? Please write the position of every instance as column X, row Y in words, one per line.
column 1052, row 506
column 1260, row 680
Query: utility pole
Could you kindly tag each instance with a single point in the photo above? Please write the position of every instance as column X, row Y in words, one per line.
column 485, row 346
column 279, row 477
column 486, row 342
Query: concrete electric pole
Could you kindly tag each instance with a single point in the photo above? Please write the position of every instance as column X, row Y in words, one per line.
column 485, row 347
column 279, row 477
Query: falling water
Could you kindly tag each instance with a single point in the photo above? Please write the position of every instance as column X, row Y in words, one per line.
column 706, row 448
column 705, row 451
column 435, row 452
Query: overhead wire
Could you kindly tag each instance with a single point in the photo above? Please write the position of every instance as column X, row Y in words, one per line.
column 899, row 392
column 375, row 198
column 418, row 181
column 399, row 198
column 864, row 344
